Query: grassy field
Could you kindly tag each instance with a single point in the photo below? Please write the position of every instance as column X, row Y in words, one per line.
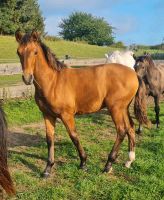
column 8, row 47
column 28, row 153
column 8, row 80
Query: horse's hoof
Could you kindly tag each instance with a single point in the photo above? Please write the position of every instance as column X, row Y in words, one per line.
column 84, row 168
column 128, row 164
column 157, row 126
column 108, row 170
column 46, row 175
column 138, row 132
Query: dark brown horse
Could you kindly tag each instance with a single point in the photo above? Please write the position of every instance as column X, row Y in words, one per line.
column 62, row 92
column 153, row 77
column 5, row 178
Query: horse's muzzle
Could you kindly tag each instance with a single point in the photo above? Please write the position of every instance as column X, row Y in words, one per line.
column 28, row 79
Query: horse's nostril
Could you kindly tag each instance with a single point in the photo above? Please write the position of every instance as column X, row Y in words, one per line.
column 27, row 79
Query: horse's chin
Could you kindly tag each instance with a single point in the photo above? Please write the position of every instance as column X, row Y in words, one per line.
column 28, row 83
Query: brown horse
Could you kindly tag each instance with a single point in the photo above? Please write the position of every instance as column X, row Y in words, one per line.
column 62, row 92
column 153, row 77
column 5, row 178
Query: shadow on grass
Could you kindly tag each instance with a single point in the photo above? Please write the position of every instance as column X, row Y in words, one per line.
column 16, row 139
column 98, row 117
column 65, row 150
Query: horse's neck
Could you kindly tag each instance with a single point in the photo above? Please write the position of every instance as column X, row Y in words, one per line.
column 44, row 76
column 151, row 74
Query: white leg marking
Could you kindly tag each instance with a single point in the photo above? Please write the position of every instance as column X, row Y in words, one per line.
column 131, row 159
column 110, row 170
column 132, row 156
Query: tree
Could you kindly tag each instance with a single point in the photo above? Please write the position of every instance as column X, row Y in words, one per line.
column 84, row 26
column 25, row 15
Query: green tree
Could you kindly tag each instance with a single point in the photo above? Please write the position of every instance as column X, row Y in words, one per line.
column 84, row 26
column 22, row 14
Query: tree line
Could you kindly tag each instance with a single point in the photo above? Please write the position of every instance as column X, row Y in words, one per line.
column 78, row 26
column 20, row 14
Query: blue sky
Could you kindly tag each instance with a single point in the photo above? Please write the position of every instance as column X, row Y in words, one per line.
column 136, row 21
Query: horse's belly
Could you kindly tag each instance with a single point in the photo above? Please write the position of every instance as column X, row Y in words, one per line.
column 89, row 106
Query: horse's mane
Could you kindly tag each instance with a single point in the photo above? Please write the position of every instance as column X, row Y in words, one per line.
column 50, row 57
column 148, row 59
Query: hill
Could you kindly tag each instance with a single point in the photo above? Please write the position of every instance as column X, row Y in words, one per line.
column 8, row 46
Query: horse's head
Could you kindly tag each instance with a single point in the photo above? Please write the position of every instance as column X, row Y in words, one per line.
column 141, row 64
column 28, row 52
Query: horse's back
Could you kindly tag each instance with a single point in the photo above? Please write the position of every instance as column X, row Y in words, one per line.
column 106, row 74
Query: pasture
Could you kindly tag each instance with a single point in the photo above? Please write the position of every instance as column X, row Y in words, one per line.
column 61, row 48
column 9, row 80
column 28, row 153
column 28, row 148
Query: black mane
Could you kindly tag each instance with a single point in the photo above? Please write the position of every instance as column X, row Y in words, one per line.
column 147, row 58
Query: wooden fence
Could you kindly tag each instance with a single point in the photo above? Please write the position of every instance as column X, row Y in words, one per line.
column 20, row 91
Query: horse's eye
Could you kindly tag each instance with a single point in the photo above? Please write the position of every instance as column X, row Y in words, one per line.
column 35, row 52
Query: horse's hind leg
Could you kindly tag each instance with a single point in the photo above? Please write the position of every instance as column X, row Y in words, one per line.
column 157, row 110
column 69, row 123
column 118, row 118
column 131, row 139
column 139, row 130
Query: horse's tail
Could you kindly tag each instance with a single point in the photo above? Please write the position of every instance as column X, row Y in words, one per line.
column 140, row 104
column 5, row 178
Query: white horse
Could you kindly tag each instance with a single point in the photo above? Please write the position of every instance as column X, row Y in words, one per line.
column 121, row 57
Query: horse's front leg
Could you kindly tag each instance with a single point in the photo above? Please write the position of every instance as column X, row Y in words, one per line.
column 157, row 110
column 50, row 125
column 69, row 123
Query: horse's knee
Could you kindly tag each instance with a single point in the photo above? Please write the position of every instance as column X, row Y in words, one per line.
column 121, row 130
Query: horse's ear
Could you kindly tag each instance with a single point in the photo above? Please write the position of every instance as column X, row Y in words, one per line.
column 35, row 36
column 134, row 56
column 147, row 54
column 18, row 36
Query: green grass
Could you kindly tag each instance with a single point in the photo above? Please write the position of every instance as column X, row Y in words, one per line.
column 22, row 111
column 10, row 80
column 8, row 46
column 28, row 154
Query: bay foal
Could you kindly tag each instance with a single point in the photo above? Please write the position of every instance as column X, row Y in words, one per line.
column 62, row 92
